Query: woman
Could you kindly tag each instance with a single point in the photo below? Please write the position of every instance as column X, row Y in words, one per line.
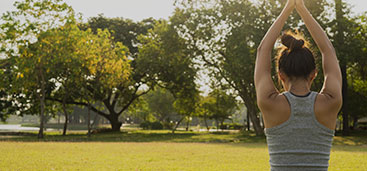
column 299, row 124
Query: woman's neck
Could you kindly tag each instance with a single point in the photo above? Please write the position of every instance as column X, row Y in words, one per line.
column 298, row 87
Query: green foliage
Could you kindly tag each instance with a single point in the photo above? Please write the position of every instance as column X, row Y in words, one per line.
column 151, row 125
column 219, row 105
column 123, row 30
column 160, row 102
column 54, row 59
column 225, row 35
column 231, row 126
column 171, row 64
column 119, row 94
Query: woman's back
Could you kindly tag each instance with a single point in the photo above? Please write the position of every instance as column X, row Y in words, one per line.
column 299, row 130
column 301, row 142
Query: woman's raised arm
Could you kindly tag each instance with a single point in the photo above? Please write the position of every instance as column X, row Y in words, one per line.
column 333, row 79
column 265, row 88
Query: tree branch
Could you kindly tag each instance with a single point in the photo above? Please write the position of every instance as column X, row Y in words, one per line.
column 80, row 104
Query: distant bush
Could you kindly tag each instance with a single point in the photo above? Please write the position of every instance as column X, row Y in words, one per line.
column 151, row 125
column 231, row 126
column 168, row 125
column 156, row 125
column 145, row 125
column 102, row 130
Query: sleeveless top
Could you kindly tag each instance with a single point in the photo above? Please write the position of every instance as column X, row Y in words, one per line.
column 301, row 142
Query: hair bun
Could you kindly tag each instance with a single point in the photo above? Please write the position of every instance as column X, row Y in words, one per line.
column 292, row 43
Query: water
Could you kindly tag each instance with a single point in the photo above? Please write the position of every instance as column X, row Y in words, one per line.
column 16, row 127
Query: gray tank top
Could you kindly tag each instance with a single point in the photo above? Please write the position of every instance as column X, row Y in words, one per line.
column 300, row 143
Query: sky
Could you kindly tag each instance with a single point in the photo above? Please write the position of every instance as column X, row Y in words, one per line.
column 137, row 9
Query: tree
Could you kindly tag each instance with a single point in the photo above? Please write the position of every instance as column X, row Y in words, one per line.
column 18, row 33
column 172, row 66
column 115, row 95
column 206, row 109
column 340, row 30
column 225, row 36
column 62, row 54
column 160, row 103
column 357, row 68
column 220, row 106
column 123, row 30
column 103, row 70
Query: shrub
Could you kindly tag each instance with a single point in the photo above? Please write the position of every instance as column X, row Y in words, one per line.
column 168, row 125
column 231, row 126
column 151, row 125
column 156, row 125
column 145, row 125
column 102, row 130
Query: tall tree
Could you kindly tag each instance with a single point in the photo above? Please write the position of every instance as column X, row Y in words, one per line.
column 116, row 97
column 101, row 69
column 225, row 35
column 172, row 65
column 21, row 29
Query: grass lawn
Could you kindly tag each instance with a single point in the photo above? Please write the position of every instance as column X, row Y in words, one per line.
column 158, row 150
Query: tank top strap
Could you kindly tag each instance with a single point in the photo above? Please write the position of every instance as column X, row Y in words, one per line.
column 301, row 103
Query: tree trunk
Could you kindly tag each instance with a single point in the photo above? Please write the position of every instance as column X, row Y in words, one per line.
column 255, row 121
column 114, row 121
column 42, row 103
column 58, row 118
column 178, row 123
column 248, row 120
column 116, row 126
column 345, row 107
column 217, row 124
column 355, row 123
column 95, row 121
column 88, row 119
column 339, row 41
column 187, row 125
column 66, row 119
column 252, row 114
column 206, row 124
column 221, row 125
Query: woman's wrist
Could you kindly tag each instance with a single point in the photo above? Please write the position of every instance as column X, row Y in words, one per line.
column 301, row 8
column 289, row 7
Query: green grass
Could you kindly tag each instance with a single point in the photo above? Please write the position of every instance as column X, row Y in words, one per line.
column 137, row 136
column 157, row 150
column 56, row 126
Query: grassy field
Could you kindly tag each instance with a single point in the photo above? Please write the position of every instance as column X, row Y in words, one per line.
column 157, row 150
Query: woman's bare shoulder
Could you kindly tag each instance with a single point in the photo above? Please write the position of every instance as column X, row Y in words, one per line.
column 326, row 110
column 276, row 102
column 277, row 111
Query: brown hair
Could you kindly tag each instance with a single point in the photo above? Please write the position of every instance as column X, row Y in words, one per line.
column 295, row 59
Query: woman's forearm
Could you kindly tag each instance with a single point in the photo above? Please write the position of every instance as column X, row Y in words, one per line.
column 317, row 33
column 329, row 59
column 263, row 61
column 267, row 44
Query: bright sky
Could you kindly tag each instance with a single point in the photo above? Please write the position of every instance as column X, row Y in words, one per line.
column 137, row 9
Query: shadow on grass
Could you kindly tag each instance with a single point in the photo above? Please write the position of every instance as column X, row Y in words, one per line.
column 137, row 136
column 356, row 138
